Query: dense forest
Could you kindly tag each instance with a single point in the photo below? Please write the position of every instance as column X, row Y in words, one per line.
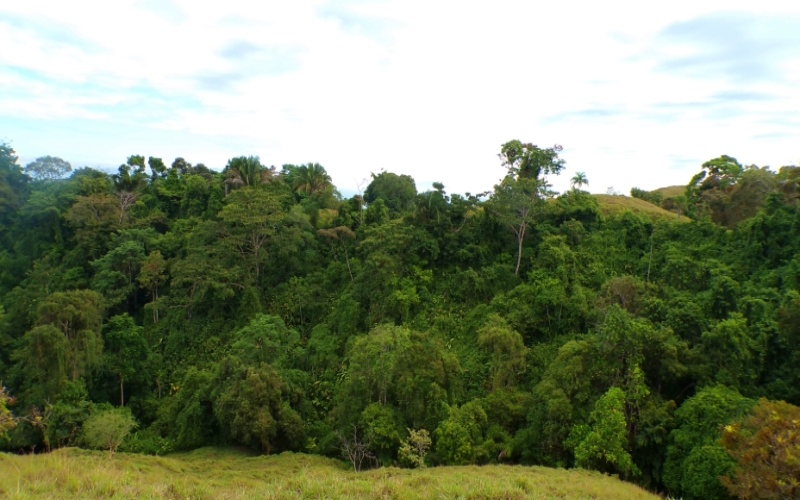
column 258, row 307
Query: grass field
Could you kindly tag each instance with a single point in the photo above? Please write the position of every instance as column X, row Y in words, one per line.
column 615, row 205
column 671, row 191
column 229, row 474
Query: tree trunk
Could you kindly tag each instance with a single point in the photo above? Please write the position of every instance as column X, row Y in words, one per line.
column 520, row 239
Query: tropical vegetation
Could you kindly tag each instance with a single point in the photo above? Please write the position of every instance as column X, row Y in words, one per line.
column 162, row 309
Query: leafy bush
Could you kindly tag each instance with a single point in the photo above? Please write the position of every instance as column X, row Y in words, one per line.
column 147, row 442
column 107, row 429
column 413, row 450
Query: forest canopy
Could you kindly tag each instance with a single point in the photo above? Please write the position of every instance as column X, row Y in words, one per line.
column 258, row 307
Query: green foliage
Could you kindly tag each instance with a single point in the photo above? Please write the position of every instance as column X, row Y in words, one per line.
column 261, row 310
column 460, row 437
column 698, row 423
column 41, row 361
column 381, row 430
column 126, row 352
column 649, row 196
column 247, row 403
column 604, row 444
column 397, row 192
column 734, row 353
column 7, row 420
column 702, row 471
column 48, row 168
column 414, row 448
column 77, row 314
column 63, row 420
column 246, row 171
column 146, row 442
column 507, row 350
column 186, row 416
column 107, row 429
column 267, row 340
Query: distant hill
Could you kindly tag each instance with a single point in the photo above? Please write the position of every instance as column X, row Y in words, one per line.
column 225, row 473
column 616, row 204
column 670, row 191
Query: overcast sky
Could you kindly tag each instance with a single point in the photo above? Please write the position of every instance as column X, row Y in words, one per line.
column 638, row 93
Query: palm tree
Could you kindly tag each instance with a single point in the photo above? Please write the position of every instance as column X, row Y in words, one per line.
column 246, row 171
column 311, row 178
column 579, row 180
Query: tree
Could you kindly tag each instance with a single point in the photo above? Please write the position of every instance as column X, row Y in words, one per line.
column 698, row 423
column 765, row 446
column 311, row 179
column 372, row 360
column 356, row 449
column 246, row 171
column 126, row 351
column 519, row 198
column 62, row 420
column 578, row 181
column 41, row 361
column 397, row 191
column 250, row 219
column 340, row 234
column 115, row 272
column 152, row 275
column 47, row 168
column 709, row 191
column 413, row 450
column 94, row 218
column 248, row 403
column 604, row 444
column 77, row 314
column 108, row 428
column 507, row 349
column 460, row 437
column 7, row 420
column 13, row 184
column 733, row 352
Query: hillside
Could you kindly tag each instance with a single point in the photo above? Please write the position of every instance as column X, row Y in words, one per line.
column 217, row 473
column 670, row 191
column 615, row 205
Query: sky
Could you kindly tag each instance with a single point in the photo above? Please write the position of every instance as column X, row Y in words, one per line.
column 639, row 94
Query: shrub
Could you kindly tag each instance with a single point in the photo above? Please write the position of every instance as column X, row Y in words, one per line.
column 107, row 429
column 413, row 450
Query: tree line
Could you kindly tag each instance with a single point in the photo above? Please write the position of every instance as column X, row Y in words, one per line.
column 258, row 307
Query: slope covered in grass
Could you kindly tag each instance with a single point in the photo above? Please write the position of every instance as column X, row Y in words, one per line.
column 670, row 191
column 616, row 204
column 219, row 473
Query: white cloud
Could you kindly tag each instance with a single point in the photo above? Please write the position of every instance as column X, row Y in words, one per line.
column 430, row 89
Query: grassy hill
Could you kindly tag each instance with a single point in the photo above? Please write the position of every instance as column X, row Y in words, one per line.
column 223, row 473
column 616, row 204
column 670, row 191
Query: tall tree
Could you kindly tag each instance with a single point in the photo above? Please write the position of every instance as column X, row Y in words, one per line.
column 250, row 218
column 12, row 187
column 519, row 198
column 246, row 171
column 397, row 191
column 47, row 168
column 126, row 351
column 579, row 180
column 77, row 314
column 311, row 178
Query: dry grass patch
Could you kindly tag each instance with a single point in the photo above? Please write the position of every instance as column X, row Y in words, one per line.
column 611, row 205
column 231, row 474
column 670, row 191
